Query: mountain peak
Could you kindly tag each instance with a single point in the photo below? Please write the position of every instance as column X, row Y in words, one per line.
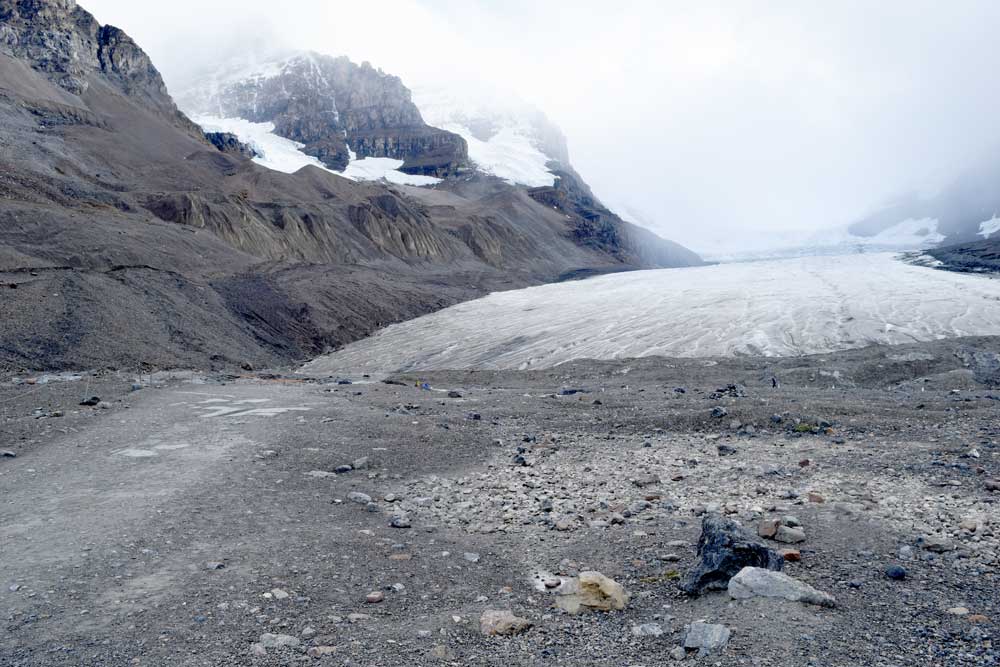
column 330, row 105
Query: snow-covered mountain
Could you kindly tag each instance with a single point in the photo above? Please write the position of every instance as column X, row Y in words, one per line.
column 298, row 109
column 295, row 109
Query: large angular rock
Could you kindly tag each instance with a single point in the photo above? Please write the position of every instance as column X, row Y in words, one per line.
column 756, row 582
column 724, row 549
column 494, row 622
column 592, row 590
column 706, row 637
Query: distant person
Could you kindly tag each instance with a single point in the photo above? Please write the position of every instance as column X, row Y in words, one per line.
column 774, row 382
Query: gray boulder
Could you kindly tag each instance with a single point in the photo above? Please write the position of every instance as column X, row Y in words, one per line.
column 756, row 582
column 708, row 638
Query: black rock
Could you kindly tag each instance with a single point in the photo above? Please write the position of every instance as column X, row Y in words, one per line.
column 454, row 394
column 340, row 470
column 897, row 572
column 93, row 400
column 730, row 390
column 724, row 549
column 230, row 143
column 572, row 392
column 719, row 412
column 726, row 450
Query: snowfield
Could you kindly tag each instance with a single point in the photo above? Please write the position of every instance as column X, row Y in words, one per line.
column 281, row 154
column 773, row 308
column 989, row 227
column 497, row 128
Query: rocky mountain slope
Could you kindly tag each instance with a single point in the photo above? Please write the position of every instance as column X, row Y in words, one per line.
column 129, row 239
column 977, row 257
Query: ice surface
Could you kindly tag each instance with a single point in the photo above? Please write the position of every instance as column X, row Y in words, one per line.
column 989, row 227
column 285, row 155
column 773, row 308
column 911, row 234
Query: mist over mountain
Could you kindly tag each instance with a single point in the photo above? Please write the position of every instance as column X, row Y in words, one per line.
column 723, row 121
column 964, row 210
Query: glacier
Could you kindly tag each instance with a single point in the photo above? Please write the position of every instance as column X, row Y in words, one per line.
column 281, row 154
column 771, row 308
column 497, row 127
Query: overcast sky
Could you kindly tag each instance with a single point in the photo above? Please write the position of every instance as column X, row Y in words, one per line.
column 709, row 119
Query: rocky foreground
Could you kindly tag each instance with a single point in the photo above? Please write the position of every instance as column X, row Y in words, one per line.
column 829, row 510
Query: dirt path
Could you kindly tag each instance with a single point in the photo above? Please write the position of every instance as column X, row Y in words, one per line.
column 185, row 523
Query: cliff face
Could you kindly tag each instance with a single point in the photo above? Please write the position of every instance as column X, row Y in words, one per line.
column 69, row 46
column 333, row 106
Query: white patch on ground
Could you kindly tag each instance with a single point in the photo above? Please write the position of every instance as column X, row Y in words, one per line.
column 285, row 155
column 137, row 453
column 775, row 308
column 989, row 227
column 224, row 408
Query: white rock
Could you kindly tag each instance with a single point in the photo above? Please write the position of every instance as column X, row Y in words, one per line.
column 647, row 630
column 758, row 582
column 267, row 640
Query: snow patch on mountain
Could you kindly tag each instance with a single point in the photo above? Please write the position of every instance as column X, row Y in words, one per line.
column 285, row 155
column 384, row 168
column 273, row 152
column 913, row 232
column 989, row 227
column 502, row 132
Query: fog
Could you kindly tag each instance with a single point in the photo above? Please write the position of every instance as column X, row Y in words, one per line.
column 708, row 121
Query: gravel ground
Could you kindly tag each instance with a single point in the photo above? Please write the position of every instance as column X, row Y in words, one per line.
column 193, row 520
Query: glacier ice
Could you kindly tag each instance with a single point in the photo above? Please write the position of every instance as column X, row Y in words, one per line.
column 772, row 308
